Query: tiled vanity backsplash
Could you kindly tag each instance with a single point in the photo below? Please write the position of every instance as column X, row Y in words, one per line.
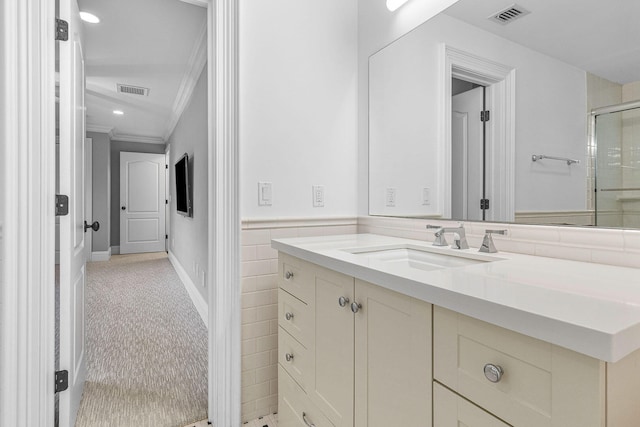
column 604, row 246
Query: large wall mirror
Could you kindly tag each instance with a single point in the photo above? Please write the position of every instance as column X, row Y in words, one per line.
column 526, row 113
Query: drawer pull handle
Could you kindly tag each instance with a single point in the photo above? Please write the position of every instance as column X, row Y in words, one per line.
column 493, row 372
column 288, row 275
column 304, row 418
column 355, row 307
column 343, row 301
column 288, row 316
column 289, row 357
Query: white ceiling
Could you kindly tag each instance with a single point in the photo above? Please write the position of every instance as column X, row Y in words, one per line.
column 157, row 44
column 601, row 37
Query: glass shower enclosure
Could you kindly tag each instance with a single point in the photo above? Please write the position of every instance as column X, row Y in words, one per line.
column 615, row 144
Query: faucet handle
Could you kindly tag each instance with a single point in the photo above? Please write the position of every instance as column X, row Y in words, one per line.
column 440, row 239
column 487, row 243
column 432, row 227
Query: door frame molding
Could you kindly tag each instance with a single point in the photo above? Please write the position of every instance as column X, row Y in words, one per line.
column 223, row 281
column 28, row 234
column 501, row 96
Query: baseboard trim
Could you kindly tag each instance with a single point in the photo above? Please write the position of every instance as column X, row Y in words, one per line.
column 115, row 250
column 192, row 290
column 101, row 255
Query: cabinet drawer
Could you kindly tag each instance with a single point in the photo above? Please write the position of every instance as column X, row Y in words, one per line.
column 296, row 277
column 294, row 407
column 541, row 384
column 295, row 317
column 299, row 365
column 450, row 410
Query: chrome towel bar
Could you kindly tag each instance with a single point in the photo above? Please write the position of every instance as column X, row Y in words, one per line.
column 537, row 157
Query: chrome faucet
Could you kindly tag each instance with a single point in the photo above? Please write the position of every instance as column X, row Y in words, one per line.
column 487, row 243
column 459, row 236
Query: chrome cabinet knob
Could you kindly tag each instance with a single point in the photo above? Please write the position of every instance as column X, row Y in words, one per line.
column 288, row 316
column 306, row 421
column 493, row 372
column 288, row 275
column 355, row 307
column 288, row 357
column 343, row 301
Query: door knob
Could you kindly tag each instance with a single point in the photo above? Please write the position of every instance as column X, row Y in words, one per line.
column 343, row 301
column 123, row 208
column 95, row 226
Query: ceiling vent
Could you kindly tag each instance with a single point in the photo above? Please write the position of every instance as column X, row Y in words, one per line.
column 509, row 14
column 132, row 90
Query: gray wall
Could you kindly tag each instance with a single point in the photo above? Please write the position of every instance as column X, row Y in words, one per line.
column 188, row 236
column 101, row 173
column 116, row 148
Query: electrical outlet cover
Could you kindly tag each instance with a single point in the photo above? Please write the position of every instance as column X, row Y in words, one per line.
column 318, row 196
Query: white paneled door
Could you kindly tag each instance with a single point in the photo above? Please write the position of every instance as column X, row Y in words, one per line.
column 72, row 236
column 467, row 149
column 142, row 202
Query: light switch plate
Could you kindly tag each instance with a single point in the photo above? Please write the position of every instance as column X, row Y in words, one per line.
column 426, row 196
column 390, row 197
column 265, row 194
column 318, row 196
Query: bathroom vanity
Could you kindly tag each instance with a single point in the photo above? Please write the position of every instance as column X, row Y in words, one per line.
column 383, row 331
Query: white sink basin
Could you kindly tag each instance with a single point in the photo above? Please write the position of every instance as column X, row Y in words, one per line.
column 420, row 258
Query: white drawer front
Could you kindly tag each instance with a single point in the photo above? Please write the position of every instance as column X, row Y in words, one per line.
column 294, row 358
column 541, row 384
column 295, row 317
column 294, row 407
column 450, row 410
column 296, row 277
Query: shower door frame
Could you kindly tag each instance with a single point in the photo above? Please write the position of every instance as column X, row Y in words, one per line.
column 610, row 109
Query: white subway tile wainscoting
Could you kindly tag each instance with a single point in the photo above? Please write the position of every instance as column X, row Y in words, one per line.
column 260, row 303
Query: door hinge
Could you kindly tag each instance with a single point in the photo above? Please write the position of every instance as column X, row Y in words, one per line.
column 62, row 205
column 484, row 204
column 62, row 30
column 166, row 166
column 484, row 115
column 166, row 202
column 166, row 236
column 62, row 381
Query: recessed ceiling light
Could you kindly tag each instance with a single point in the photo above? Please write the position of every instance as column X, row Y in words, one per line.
column 394, row 4
column 89, row 17
column 118, row 112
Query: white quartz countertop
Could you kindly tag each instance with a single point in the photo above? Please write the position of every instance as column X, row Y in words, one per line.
column 593, row 309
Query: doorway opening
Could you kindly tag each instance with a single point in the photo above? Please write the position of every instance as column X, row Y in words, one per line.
column 126, row 323
column 487, row 179
column 469, row 118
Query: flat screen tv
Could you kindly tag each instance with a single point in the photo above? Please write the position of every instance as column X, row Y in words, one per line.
column 183, row 187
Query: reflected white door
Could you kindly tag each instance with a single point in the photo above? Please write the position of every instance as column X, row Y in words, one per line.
column 466, row 155
column 72, row 236
column 142, row 202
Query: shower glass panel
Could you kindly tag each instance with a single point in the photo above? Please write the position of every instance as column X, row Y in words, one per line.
column 617, row 183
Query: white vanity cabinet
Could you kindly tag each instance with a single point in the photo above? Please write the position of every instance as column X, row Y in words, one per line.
column 350, row 353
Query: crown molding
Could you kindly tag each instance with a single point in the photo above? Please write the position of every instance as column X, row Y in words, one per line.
column 100, row 129
column 195, row 65
column 138, row 138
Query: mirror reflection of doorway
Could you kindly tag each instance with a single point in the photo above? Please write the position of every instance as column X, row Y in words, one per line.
column 468, row 151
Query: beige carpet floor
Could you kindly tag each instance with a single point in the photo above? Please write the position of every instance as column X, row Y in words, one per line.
column 147, row 346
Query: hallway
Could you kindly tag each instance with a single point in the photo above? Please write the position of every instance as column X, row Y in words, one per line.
column 147, row 346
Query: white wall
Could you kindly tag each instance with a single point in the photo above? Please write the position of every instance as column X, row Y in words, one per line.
column 377, row 27
column 298, row 74
column 101, row 190
column 188, row 235
column 550, row 114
